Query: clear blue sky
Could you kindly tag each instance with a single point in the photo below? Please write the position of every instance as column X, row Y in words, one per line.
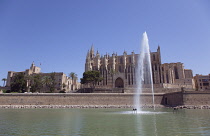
column 58, row 34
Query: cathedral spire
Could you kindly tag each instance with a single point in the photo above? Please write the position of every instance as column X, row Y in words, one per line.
column 92, row 51
column 88, row 55
column 97, row 53
column 158, row 47
column 92, row 48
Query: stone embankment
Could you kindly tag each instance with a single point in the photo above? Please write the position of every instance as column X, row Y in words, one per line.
column 96, row 106
column 71, row 106
column 194, row 107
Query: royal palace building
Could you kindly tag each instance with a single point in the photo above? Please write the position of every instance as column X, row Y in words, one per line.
column 62, row 81
column 118, row 71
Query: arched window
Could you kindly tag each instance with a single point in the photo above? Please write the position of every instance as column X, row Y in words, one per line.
column 155, row 66
column 176, row 73
column 129, row 81
column 121, row 60
column 129, row 69
column 167, row 78
column 120, row 69
column 153, row 57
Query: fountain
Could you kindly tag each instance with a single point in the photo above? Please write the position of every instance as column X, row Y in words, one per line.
column 143, row 72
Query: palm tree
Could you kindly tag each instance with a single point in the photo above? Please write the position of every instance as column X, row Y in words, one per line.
column 46, row 82
column 73, row 76
column 4, row 79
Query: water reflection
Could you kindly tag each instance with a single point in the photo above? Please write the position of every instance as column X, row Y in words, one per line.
column 146, row 123
column 155, row 125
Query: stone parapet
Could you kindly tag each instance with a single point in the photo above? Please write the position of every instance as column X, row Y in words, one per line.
column 193, row 98
column 76, row 99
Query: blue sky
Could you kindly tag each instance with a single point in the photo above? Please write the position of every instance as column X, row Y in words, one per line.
column 58, row 34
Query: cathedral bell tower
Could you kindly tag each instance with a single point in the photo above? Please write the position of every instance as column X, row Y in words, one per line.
column 88, row 66
column 89, row 59
column 92, row 52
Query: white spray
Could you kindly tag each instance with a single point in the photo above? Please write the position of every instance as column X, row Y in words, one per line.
column 143, row 72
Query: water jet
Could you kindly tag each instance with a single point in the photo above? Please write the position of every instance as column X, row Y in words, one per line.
column 143, row 72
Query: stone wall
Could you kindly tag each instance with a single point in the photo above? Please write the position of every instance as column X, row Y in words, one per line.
column 173, row 99
column 75, row 99
column 156, row 90
column 170, row 99
column 196, row 98
column 186, row 98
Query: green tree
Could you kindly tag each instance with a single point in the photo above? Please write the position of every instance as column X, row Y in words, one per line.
column 91, row 77
column 18, row 83
column 4, row 80
column 49, row 82
column 37, row 83
column 53, row 82
column 64, row 85
column 46, row 82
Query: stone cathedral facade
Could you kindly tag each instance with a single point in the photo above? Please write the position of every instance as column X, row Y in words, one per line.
column 118, row 71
